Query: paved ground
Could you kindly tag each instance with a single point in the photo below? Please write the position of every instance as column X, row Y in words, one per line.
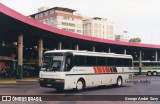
column 142, row 85
column 14, row 81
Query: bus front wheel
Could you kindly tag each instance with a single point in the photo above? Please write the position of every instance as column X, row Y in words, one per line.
column 80, row 85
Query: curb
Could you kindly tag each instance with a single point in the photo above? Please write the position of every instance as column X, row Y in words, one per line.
column 14, row 81
column 8, row 82
column 27, row 80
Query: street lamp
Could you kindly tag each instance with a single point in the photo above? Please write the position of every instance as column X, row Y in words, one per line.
column 125, row 32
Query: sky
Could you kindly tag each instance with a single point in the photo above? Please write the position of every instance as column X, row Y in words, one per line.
column 140, row 18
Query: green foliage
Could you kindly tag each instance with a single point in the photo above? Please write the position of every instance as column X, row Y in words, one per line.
column 136, row 40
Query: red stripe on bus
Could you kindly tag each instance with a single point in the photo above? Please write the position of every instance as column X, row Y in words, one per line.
column 95, row 69
column 107, row 69
column 99, row 69
column 103, row 70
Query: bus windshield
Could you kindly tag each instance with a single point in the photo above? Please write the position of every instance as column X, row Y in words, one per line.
column 53, row 62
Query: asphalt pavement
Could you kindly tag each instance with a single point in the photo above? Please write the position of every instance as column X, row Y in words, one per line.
column 140, row 86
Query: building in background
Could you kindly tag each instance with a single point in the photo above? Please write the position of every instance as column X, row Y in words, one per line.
column 124, row 38
column 62, row 18
column 121, row 38
column 66, row 19
column 99, row 27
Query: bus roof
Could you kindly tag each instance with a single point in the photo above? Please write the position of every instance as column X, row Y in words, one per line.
column 90, row 53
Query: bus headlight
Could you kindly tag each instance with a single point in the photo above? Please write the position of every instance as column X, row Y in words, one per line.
column 59, row 80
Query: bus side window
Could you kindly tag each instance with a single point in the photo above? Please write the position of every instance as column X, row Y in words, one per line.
column 110, row 61
column 128, row 62
column 68, row 63
column 79, row 61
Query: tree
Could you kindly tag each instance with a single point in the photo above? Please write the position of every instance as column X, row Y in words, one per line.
column 136, row 40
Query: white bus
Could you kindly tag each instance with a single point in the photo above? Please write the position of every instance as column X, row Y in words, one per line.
column 71, row 69
column 148, row 68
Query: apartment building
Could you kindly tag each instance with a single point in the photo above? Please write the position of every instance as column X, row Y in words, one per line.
column 99, row 27
column 62, row 18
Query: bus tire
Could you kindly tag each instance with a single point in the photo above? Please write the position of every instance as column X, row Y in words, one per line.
column 149, row 73
column 154, row 73
column 119, row 81
column 80, row 85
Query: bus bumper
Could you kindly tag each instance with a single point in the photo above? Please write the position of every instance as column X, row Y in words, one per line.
column 51, row 83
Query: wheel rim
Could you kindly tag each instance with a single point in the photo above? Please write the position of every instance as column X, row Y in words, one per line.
column 154, row 73
column 119, row 81
column 79, row 85
column 149, row 73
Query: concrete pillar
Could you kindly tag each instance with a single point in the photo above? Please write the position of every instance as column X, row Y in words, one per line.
column 140, row 61
column 125, row 51
column 76, row 47
column 109, row 50
column 93, row 48
column 156, row 56
column 59, row 45
column 20, row 56
column 40, row 52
